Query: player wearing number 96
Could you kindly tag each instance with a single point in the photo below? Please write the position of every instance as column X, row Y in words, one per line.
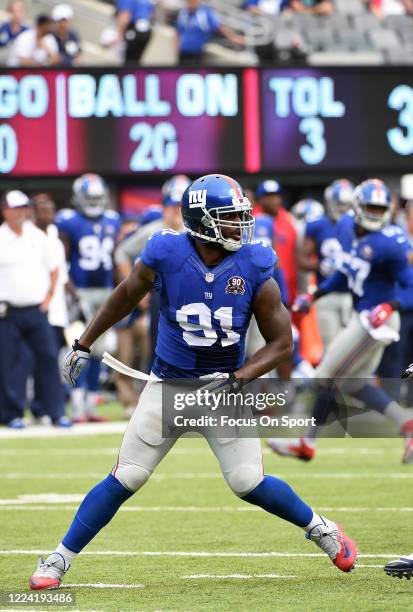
column 211, row 280
column 89, row 233
column 374, row 268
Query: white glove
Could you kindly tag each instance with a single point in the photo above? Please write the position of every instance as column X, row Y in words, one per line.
column 75, row 361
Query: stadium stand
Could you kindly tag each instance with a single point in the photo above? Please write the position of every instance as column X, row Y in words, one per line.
column 351, row 35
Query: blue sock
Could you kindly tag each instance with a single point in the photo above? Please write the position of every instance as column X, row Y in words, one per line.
column 93, row 372
column 374, row 398
column 95, row 511
column 277, row 497
column 324, row 405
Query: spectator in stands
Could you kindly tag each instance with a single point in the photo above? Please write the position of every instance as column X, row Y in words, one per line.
column 313, row 7
column 384, row 8
column 36, row 46
column 134, row 25
column 28, row 275
column 196, row 24
column 14, row 26
column 67, row 39
column 266, row 7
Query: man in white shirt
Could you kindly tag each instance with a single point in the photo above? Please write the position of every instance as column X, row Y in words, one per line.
column 28, row 275
column 36, row 46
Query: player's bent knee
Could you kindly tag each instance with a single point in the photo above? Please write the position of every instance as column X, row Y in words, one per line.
column 133, row 477
column 244, row 479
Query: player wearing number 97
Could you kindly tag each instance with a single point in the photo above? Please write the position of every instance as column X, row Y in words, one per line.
column 89, row 233
column 211, row 280
column 375, row 269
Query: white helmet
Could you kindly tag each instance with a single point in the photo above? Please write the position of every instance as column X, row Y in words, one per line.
column 372, row 205
column 307, row 210
column 338, row 198
column 90, row 195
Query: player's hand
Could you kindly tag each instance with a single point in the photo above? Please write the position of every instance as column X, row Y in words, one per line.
column 379, row 315
column 302, row 303
column 408, row 372
column 75, row 361
column 222, row 382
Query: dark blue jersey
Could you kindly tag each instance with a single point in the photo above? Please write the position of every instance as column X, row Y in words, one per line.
column 323, row 232
column 205, row 311
column 91, row 246
column 374, row 266
column 264, row 232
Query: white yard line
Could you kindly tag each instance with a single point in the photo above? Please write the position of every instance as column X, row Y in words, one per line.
column 125, row 553
column 86, row 429
column 101, row 585
column 54, row 504
column 237, row 576
column 78, row 452
column 209, row 475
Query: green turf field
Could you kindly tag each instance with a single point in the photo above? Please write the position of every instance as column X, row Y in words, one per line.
column 187, row 508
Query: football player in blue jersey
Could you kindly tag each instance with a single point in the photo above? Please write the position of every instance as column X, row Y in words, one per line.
column 320, row 253
column 211, row 280
column 89, row 233
column 374, row 267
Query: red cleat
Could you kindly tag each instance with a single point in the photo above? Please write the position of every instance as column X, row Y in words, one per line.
column 331, row 538
column 298, row 448
column 49, row 573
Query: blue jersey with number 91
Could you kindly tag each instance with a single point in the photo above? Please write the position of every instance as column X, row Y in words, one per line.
column 205, row 311
column 92, row 242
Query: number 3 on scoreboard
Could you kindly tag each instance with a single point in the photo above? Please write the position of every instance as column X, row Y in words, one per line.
column 401, row 140
column 157, row 147
column 315, row 150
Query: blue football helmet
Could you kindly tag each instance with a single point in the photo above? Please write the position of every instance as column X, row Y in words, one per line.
column 372, row 205
column 90, row 195
column 173, row 190
column 307, row 210
column 338, row 198
column 205, row 205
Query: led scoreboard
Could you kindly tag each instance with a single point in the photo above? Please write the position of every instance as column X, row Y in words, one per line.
column 123, row 122
column 66, row 122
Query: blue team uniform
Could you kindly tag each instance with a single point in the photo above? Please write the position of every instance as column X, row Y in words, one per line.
column 205, row 311
column 92, row 242
column 195, row 28
column 374, row 266
column 264, row 232
column 323, row 232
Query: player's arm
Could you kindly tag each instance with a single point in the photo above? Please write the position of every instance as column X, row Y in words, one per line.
column 275, row 326
column 306, row 256
column 120, row 303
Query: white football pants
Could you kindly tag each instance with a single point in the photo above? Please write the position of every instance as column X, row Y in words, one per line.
column 143, row 447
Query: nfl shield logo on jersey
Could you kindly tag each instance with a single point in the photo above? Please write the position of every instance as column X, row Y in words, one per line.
column 235, row 285
column 209, row 277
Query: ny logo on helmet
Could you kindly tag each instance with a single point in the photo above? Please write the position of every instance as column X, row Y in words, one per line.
column 197, row 198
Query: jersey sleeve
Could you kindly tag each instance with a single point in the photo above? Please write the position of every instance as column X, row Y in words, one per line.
column 402, row 271
column 64, row 221
column 161, row 250
column 279, row 278
column 336, row 282
column 264, row 260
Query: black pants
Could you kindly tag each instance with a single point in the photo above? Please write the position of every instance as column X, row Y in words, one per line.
column 28, row 327
column 190, row 59
column 136, row 43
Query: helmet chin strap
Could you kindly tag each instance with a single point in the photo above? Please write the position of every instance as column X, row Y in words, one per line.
column 228, row 245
